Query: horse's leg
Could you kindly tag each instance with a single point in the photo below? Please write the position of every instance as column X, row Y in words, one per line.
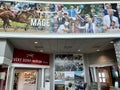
column 6, row 23
column 15, row 28
column 4, row 26
column 27, row 26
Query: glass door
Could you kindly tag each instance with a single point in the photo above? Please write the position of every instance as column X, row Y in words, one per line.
column 25, row 79
column 104, row 77
column 30, row 79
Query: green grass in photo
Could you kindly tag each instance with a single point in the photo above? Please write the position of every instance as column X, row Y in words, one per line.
column 14, row 24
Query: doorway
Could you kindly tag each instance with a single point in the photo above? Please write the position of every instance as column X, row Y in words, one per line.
column 31, row 79
column 104, row 77
column 25, row 79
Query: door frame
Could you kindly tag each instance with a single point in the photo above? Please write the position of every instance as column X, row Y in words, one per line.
column 94, row 66
column 99, row 65
column 14, row 66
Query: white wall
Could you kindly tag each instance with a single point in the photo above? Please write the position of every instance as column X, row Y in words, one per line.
column 6, row 51
column 9, row 50
column 2, row 47
column 102, row 58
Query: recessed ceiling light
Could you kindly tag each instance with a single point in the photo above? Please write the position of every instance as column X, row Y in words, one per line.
column 98, row 50
column 36, row 42
column 41, row 50
column 111, row 42
column 78, row 50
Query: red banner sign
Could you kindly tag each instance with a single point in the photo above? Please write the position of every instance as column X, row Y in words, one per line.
column 30, row 57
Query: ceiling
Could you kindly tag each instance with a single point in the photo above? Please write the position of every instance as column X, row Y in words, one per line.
column 63, row 45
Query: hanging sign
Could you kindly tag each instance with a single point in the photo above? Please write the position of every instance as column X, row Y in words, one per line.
column 30, row 57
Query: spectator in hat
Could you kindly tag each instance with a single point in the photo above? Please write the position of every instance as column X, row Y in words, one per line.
column 64, row 28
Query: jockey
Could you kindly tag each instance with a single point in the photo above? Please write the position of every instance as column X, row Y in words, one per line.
column 4, row 6
column 14, row 9
column 23, row 10
column 17, row 11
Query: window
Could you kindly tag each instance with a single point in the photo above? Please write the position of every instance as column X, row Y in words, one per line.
column 102, row 77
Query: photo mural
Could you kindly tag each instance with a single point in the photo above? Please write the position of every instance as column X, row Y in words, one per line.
column 69, row 71
column 37, row 17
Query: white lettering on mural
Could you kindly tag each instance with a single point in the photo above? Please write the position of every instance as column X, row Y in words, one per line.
column 39, row 22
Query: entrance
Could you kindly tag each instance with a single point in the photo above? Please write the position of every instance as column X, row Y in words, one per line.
column 104, row 77
column 25, row 79
column 3, row 76
column 31, row 79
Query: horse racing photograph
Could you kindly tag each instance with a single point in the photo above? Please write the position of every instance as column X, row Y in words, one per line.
column 35, row 17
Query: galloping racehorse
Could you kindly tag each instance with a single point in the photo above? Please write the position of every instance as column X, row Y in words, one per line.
column 22, row 18
column 5, row 15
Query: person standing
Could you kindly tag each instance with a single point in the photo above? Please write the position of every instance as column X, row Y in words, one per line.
column 60, row 19
column 107, row 20
column 72, row 12
column 107, row 6
column 90, row 26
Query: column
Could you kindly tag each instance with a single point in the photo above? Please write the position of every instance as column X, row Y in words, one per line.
column 95, row 74
column 11, row 78
column 47, row 79
column 42, row 83
column 117, row 51
column 52, row 72
column 8, row 78
column 39, row 79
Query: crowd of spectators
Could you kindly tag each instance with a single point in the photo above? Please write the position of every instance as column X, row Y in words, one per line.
column 70, row 19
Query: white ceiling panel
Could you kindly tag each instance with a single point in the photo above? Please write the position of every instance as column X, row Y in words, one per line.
column 63, row 45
